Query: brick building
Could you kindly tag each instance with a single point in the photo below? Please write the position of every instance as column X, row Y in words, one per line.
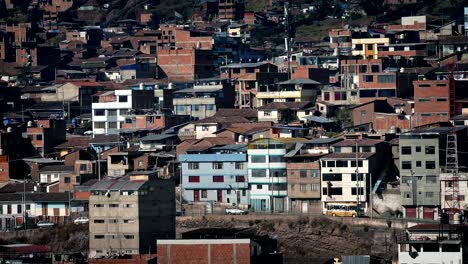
column 431, row 101
column 186, row 64
column 46, row 134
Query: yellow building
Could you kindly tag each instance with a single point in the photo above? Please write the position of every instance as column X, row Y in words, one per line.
column 367, row 47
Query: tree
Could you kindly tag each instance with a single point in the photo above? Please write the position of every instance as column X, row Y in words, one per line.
column 344, row 117
column 155, row 20
column 372, row 7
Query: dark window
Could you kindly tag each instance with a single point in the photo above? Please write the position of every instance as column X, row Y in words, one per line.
column 123, row 98
column 82, row 167
column 341, row 163
column 217, row 165
column 430, row 150
column 370, row 46
column 354, row 191
column 99, row 112
column 375, row 68
column 258, row 173
column 333, row 191
column 353, row 164
column 326, row 96
column 218, row 179
column 240, row 179
column 303, row 173
column 358, row 47
column 38, row 137
column 204, row 194
column 363, row 68
column 193, row 165
column 418, row 164
column 277, row 173
column 430, row 165
column 67, row 179
column 369, row 78
column 194, row 178
column 258, row 159
column 331, row 177
column 259, row 186
column 406, row 165
column 331, row 163
column 276, row 158
column 441, row 99
column 418, row 149
column 366, row 149
column 360, row 177
column 20, row 209
column 405, row 150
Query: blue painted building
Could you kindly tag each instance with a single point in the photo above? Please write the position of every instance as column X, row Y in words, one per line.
column 218, row 174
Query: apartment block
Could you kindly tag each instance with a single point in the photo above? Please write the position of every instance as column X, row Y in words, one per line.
column 128, row 214
column 296, row 90
column 267, row 173
column 111, row 107
column 216, row 175
column 186, row 64
column 303, row 172
column 432, row 101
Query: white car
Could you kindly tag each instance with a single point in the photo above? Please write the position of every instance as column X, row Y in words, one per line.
column 81, row 220
column 235, row 211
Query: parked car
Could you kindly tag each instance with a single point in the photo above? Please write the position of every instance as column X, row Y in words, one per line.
column 42, row 224
column 235, row 211
column 81, row 220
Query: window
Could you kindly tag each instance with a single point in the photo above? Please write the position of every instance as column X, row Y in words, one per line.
column 360, row 177
column 314, row 173
column 424, row 99
column 366, row 149
column 338, row 149
column 303, row 187
column 331, row 164
column 129, row 205
column 258, row 159
column 276, row 158
column 239, row 165
column 375, row 68
column 205, row 128
column 98, row 205
column 303, row 173
column 99, row 112
column 99, row 221
column 244, row 193
column 123, row 99
column 28, row 207
column 193, row 166
column 430, row 150
column 128, row 221
column 314, row 187
column 431, row 179
column 38, row 137
column 67, row 179
column 358, row 47
column 196, row 108
column 218, row 178
column 418, row 149
column 386, row 78
column 98, row 236
column 333, row 191
column 405, row 150
column 259, row 186
column 277, row 172
column 354, row 191
column 100, row 125
column 111, row 112
column 363, row 68
column 418, row 164
column 332, row 177
column 406, row 179
column 194, row 178
column 217, row 165
column 83, row 167
column 129, row 236
column 353, row 164
column 240, row 178
column 430, row 165
column 406, row 165
column 210, row 107
column 19, row 209
column 341, row 163
column 326, row 96
column 112, row 125
column 369, row 78
column 258, row 173
column 266, row 113
column 370, row 46
column 204, row 194
column 123, row 111
column 113, row 205
column 180, row 108
column 441, row 99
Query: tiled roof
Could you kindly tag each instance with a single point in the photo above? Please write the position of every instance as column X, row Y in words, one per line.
column 286, row 105
column 222, row 119
column 35, row 197
column 75, row 142
column 227, row 112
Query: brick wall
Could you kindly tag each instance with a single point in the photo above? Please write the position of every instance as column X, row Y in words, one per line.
column 204, row 253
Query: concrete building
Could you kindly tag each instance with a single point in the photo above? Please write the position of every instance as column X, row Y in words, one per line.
column 366, row 48
column 128, row 214
column 267, row 173
column 204, row 99
column 297, row 90
column 422, row 158
column 80, row 92
column 432, row 243
column 285, row 112
column 350, row 172
column 303, row 170
column 217, row 174
column 111, row 107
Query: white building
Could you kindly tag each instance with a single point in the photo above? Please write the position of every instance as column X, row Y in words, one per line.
column 431, row 243
column 344, row 181
column 267, row 173
column 111, row 107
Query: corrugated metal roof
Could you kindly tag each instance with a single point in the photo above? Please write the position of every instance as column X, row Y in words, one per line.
column 117, row 185
column 212, row 157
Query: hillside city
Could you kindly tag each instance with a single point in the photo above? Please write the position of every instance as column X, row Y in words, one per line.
column 232, row 131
